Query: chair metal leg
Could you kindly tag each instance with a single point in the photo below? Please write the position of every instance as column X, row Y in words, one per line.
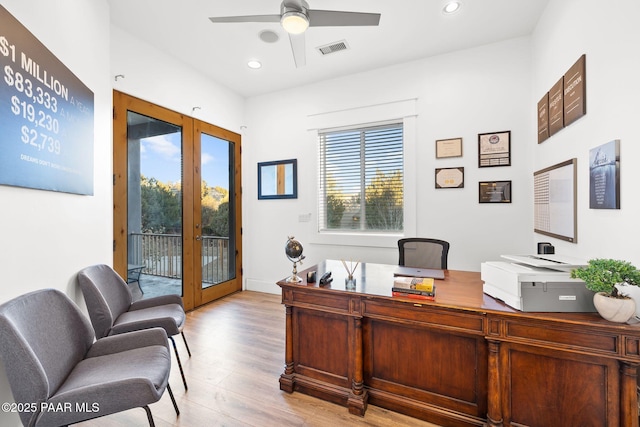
column 149, row 416
column 175, row 349
column 173, row 400
column 185, row 343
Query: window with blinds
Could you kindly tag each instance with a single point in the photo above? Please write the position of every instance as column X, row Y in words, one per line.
column 361, row 179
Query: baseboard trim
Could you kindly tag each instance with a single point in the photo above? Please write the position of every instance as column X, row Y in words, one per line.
column 261, row 286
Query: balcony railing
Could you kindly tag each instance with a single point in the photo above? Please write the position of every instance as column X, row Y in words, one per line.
column 161, row 254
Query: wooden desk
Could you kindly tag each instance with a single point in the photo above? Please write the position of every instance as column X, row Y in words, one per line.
column 465, row 359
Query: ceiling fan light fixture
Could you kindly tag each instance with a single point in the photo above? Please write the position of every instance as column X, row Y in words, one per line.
column 294, row 22
column 451, row 7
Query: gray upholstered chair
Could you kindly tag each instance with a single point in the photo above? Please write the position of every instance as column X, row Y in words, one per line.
column 59, row 375
column 113, row 311
column 423, row 253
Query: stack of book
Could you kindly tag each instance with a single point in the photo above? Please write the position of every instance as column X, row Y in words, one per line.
column 414, row 287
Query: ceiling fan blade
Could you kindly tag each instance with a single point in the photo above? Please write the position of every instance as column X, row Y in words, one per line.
column 248, row 18
column 298, row 48
column 334, row 18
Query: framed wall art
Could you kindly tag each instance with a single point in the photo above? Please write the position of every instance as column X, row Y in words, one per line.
column 448, row 148
column 604, row 176
column 565, row 102
column 556, row 107
column 47, row 116
column 575, row 104
column 494, row 149
column 494, row 192
column 278, row 179
column 450, row 178
column 543, row 118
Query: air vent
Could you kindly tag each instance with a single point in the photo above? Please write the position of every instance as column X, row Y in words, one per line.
column 333, row 47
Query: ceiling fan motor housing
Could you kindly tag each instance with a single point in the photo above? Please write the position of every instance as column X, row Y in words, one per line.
column 299, row 6
column 294, row 17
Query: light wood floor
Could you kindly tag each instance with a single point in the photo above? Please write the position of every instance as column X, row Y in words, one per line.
column 237, row 347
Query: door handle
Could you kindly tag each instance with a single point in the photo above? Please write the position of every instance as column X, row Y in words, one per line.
column 198, row 237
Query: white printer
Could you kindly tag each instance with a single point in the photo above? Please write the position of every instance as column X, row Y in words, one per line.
column 537, row 283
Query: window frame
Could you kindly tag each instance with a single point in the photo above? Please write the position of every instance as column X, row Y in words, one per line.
column 360, row 130
column 385, row 110
column 374, row 238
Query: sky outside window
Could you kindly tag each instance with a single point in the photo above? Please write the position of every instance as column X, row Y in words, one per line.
column 161, row 157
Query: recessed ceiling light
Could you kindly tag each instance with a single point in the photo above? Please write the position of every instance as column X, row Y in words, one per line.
column 254, row 64
column 451, row 7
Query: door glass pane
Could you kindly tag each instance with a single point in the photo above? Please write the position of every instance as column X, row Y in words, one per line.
column 216, row 191
column 154, row 217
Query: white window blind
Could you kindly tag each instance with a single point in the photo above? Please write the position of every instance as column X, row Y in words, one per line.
column 361, row 179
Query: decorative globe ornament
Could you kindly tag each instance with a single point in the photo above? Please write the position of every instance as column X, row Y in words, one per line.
column 293, row 250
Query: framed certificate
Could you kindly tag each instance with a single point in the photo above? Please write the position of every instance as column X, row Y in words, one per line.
column 494, row 149
column 494, row 192
column 450, row 178
column 448, row 148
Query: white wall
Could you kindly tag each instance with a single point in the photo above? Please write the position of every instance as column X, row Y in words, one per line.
column 607, row 32
column 46, row 236
column 156, row 77
column 461, row 94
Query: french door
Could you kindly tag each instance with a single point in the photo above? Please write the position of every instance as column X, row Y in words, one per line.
column 177, row 203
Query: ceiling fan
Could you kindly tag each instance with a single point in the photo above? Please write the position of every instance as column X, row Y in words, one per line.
column 295, row 17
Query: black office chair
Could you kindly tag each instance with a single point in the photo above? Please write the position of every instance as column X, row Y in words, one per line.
column 423, row 252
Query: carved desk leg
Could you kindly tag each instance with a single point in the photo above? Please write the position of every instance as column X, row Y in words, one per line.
column 357, row 402
column 629, row 394
column 494, row 415
column 286, row 379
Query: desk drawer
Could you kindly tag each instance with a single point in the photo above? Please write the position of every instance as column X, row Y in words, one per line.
column 563, row 336
column 318, row 300
column 426, row 315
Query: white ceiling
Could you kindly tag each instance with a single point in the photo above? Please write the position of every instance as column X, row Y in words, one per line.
column 408, row 30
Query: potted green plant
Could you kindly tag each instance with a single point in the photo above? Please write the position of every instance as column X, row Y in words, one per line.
column 605, row 277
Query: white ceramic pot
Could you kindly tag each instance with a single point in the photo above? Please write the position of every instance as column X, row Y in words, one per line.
column 631, row 291
column 614, row 309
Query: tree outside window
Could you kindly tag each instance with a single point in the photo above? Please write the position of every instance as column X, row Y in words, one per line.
column 361, row 179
